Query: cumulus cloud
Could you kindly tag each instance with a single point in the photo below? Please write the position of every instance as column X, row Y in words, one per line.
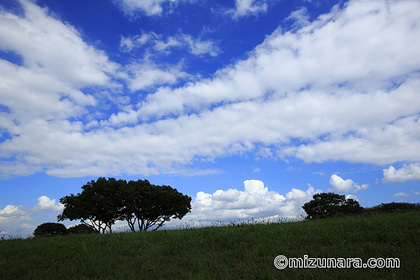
column 340, row 185
column 47, row 204
column 409, row 172
column 13, row 214
column 255, row 201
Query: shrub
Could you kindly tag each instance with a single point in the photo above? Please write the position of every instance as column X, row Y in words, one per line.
column 50, row 229
column 393, row 207
column 82, row 229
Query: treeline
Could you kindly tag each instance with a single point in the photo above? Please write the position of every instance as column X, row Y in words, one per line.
column 147, row 207
column 326, row 205
column 142, row 205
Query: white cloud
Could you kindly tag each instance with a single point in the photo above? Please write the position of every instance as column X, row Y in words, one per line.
column 255, row 201
column 300, row 18
column 405, row 173
column 46, row 44
column 322, row 92
column 350, row 196
column 128, row 44
column 165, row 45
column 248, row 7
column 27, row 226
column 156, row 44
column 143, row 76
column 200, row 47
column 47, row 204
column 46, row 88
column 13, row 214
column 158, row 7
column 150, row 7
column 288, row 62
column 401, row 194
column 340, row 185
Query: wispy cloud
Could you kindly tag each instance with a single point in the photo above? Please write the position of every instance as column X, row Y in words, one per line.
column 248, row 8
column 149, row 7
column 157, row 44
column 399, row 194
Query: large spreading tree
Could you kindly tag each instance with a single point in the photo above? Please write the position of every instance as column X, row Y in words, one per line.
column 105, row 201
column 150, row 206
column 97, row 203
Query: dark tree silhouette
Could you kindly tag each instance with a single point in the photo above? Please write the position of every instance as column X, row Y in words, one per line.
column 103, row 202
column 324, row 205
column 150, row 206
column 98, row 203
column 50, row 229
column 82, row 229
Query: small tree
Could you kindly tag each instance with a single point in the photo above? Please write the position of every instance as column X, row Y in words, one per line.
column 324, row 205
column 50, row 229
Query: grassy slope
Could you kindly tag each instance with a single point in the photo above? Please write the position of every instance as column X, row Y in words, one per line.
column 236, row 252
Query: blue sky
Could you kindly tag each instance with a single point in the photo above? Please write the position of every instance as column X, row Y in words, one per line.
column 250, row 107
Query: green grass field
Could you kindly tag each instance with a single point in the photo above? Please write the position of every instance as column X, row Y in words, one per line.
column 244, row 251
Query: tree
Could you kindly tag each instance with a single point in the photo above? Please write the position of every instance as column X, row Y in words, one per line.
column 103, row 202
column 150, row 206
column 324, row 205
column 50, row 229
column 98, row 203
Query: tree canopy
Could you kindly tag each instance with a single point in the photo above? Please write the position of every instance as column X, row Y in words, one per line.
column 105, row 201
column 324, row 205
column 50, row 229
column 151, row 206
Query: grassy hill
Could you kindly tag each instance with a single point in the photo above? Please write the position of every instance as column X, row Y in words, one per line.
column 233, row 252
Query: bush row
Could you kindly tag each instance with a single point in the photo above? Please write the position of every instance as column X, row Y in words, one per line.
column 393, row 207
column 56, row 229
